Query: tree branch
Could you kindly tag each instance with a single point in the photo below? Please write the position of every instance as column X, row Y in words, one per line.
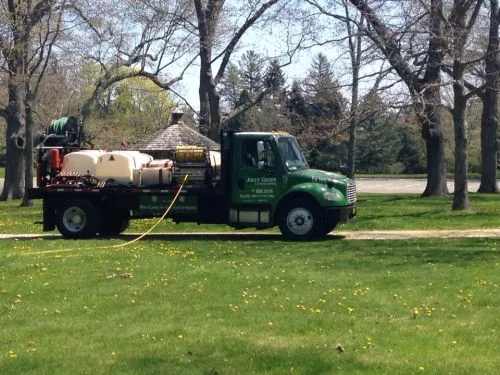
column 236, row 38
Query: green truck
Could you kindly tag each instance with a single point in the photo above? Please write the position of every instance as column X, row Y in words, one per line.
column 258, row 180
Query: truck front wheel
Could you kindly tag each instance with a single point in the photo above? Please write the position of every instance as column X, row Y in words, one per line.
column 77, row 218
column 301, row 219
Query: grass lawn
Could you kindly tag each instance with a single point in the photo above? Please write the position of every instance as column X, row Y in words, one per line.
column 250, row 307
column 228, row 305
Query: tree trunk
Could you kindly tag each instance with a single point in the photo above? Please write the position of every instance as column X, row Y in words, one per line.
column 489, row 143
column 434, row 143
column 355, row 51
column 208, row 17
column 432, row 130
column 461, row 25
column 461, row 193
column 28, row 155
column 489, row 122
column 351, row 151
column 15, row 143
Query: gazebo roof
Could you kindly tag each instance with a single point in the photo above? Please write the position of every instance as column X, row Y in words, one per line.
column 172, row 136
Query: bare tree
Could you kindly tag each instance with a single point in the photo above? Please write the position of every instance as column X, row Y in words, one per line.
column 354, row 25
column 422, row 77
column 148, row 39
column 209, row 14
column 460, row 24
column 27, row 34
column 489, row 97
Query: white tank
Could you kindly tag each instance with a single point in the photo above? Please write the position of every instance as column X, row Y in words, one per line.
column 82, row 162
column 156, row 176
column 120, row 165
column 166, row 163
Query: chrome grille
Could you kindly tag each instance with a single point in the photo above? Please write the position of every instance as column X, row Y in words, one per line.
column 351, row 192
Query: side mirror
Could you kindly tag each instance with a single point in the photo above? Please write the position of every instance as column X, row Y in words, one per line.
column 344, row 169
column 261, row 154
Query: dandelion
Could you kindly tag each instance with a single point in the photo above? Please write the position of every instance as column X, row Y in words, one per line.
column 415, row 312
column 12, row 354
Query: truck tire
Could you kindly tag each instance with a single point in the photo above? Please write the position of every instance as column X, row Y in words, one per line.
column 301, row 219
column 114, row 225
column 77, row 218
column 327, row 228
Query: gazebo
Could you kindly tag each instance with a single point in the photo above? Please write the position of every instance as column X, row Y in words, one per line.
column 162, row 144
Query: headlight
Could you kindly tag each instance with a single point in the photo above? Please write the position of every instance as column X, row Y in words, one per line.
column 331, row 196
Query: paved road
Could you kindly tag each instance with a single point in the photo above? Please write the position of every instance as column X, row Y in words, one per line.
column 402, row 185
column 390, row 185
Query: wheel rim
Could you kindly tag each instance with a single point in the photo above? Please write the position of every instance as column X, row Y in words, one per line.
column 300, row 221
column 74, row 219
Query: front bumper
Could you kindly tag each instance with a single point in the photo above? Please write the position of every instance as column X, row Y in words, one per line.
column 340, row 215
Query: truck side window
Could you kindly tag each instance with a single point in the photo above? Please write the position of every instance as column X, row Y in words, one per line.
column 249, row 155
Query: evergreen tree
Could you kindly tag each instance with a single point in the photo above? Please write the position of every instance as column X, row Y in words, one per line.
column 274, row 78
column 251, row 71
column 296, row 102
column 322, row 89
column 231, row 87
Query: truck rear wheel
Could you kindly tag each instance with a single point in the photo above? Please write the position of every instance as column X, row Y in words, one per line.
column 77, row 218
column 301, row 219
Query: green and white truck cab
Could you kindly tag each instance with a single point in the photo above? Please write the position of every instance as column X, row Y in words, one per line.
column 271, row 184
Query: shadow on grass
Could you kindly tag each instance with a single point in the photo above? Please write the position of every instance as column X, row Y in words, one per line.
column 244, row 236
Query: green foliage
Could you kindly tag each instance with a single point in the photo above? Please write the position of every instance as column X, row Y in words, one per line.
column 378, row 137
column 315, row 108
column 129, row 110
column 231, row 87
column 274, row 78
column 322, row 91
column 252, row 68
column 409, row 155
column 252, row 81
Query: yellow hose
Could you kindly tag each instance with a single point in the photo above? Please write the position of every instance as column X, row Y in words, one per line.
column 126, row 243
column 159, row 220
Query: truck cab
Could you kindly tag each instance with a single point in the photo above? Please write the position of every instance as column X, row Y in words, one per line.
column 270, row 183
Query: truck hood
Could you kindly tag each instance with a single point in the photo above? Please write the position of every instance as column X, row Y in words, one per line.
column 320, row 177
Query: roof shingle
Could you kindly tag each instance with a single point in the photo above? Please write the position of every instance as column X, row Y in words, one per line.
column 172, row 136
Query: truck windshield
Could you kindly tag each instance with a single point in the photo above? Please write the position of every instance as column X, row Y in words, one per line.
column 291, row 154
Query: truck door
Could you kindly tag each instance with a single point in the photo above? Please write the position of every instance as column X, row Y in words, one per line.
column 255, row 185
